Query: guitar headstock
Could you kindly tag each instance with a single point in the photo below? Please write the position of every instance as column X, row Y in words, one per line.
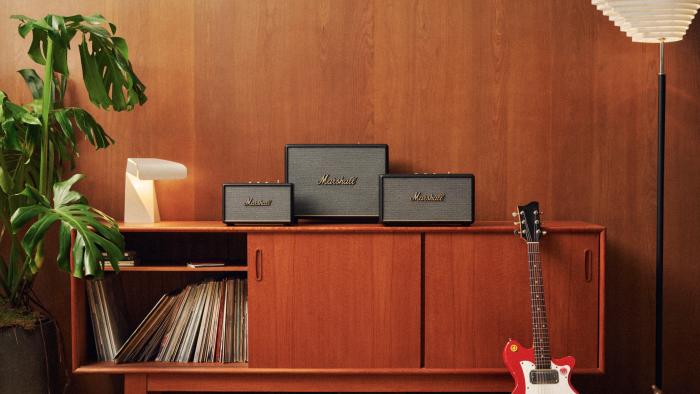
column 529, row 225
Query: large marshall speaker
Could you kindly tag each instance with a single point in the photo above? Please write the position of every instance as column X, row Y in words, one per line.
column 427, row 199
column 258, row 203
column 336, row 181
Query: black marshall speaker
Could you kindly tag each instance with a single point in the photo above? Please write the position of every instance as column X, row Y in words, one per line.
column 427, row 199
column 258, row 203
column 336, row 181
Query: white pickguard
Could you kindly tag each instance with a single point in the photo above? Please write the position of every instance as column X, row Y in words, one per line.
column 562, row 387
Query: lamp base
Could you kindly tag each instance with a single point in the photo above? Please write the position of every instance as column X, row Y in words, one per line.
column 140, row 202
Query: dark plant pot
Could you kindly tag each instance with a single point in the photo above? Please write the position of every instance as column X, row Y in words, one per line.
column 29, row 362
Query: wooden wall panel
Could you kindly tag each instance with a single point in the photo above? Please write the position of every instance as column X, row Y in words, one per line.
column 538, row 99
column 273, row 73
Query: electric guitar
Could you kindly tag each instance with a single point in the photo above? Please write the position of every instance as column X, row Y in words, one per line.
column 532, row 368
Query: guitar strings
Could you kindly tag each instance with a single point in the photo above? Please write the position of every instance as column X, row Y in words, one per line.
column 538, row 312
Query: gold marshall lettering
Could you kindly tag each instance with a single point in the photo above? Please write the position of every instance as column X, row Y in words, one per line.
column 436, row 197
column 257, row 203
column 328, row 180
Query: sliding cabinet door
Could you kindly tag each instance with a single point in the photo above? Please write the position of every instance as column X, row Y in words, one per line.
column 334, row 300
column 477, row 297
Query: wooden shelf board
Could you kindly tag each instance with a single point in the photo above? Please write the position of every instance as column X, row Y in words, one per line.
column 152, row 367
column 305, row 227
column 178, row 268
column 108, row 367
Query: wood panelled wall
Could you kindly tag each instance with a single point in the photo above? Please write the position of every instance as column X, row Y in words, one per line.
column 539, row 99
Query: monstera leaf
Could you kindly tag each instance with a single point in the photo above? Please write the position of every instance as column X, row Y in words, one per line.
column 95, row 232
column 104, row 57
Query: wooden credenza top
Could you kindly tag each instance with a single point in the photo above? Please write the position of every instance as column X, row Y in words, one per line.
column 306, row 227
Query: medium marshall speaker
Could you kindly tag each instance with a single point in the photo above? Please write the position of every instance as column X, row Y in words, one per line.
column 336, row 181
column 258, row 203
column 427, row 199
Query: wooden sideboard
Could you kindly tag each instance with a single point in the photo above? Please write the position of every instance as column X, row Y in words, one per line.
column 357, row 307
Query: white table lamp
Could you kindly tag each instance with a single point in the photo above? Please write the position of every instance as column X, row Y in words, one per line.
column 140, row 203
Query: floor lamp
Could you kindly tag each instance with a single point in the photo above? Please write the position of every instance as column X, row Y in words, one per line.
column 656, row 22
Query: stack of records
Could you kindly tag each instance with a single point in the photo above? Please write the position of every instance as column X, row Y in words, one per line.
column 109, row 323
column 205, row 322
column 129, row 260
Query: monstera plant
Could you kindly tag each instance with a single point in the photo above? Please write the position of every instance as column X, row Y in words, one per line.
column 39, row 142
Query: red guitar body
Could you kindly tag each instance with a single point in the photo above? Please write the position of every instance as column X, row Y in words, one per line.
column 521, row 360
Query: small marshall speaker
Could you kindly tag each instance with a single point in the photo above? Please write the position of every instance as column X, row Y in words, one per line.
column 427, row 199
column 258, row 203
column 336, row 181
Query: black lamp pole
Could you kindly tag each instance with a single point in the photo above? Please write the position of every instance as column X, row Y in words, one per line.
column 660, row 223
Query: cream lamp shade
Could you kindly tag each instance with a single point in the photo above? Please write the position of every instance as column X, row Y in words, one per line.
column 140, row 203
column 650, row 21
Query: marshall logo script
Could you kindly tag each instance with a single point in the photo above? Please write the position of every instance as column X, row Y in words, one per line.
column 250, row 202
column 328, row 180
column 431, row 197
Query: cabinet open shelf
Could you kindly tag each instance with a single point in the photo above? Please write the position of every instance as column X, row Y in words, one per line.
column 108, row 367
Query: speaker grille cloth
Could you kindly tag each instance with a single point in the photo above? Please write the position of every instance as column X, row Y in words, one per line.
column 457, row 205
column 306, row 166
column 236, row 210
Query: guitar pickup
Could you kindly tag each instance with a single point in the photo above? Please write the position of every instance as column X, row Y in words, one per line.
column 544, row 376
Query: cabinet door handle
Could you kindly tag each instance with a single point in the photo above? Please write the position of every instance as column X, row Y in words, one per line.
column 258, row 265
column 588, row 257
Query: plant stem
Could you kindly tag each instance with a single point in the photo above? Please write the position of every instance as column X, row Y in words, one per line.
column 45, row 110
column 45, row 174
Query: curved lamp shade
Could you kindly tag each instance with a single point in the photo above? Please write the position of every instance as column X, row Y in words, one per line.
column 140, row 203
column 650, row 21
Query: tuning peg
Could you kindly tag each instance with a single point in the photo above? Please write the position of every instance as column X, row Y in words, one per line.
column 516, row 223
column 537, row 222
column 539, row 231
column 516, row 232
column 536, row 212
column 544, row 233
column 515, row 214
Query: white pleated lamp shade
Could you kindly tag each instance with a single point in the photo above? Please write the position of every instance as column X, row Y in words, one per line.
column 651, row 21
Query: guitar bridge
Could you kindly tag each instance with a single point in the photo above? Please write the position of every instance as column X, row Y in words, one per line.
column 544, row 376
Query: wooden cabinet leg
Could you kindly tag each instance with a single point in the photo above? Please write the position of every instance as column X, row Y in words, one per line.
column 135, row 384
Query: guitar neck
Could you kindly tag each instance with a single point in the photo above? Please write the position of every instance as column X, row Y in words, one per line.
column 540, row 326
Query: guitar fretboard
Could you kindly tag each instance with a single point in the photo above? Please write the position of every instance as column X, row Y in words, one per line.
column 540, row 326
